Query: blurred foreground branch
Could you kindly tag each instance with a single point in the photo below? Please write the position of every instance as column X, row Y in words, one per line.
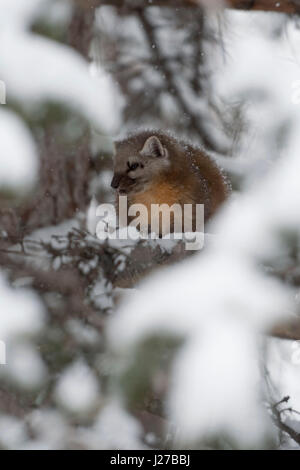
column 285, row 6
column 73, row 265
column 65, row 162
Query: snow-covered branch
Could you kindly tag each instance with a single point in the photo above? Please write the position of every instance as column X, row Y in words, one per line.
column 284, row 6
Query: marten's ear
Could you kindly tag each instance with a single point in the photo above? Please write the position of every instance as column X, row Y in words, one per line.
column 153, row 148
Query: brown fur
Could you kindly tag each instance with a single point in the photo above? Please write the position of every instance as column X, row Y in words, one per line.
column 183, row 174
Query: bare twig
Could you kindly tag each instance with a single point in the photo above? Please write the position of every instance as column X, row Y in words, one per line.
column 277, row 417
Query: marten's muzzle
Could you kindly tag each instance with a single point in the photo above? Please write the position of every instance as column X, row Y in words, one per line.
column 115, row 182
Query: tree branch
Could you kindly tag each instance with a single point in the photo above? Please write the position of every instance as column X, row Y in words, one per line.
column 196, row 121
column 281, row 424
column 283, row 6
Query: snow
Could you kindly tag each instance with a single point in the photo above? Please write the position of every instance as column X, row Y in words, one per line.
column 19, row 13
column 83, row 334
column 22, row 318
column 78, row 389
column 259, row 70
column 12, row 432
column 222, row 385
column 26, row 367
column 116, row 429
column 91, row 219
column 21, row 312
column 50, row 426
column 217, row 315
column 62, row 76
column 19, row 161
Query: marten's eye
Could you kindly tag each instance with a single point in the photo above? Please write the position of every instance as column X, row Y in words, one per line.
column 132, row 167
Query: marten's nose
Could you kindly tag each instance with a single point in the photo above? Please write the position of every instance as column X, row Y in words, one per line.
column 115, row 181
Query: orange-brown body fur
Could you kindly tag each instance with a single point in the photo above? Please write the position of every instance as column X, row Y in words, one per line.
column 190, row 177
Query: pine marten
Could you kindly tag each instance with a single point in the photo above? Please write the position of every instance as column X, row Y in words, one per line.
column 152, row 167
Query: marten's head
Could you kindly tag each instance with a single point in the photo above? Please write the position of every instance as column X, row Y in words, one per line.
column 138, row 161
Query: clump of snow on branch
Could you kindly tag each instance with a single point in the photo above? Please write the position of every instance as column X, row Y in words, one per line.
column 78, row 389
column 19, row 160
column 259, row 70
column 62, row 75
column 23, row 315
column 22, row 319
column 116, row 429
